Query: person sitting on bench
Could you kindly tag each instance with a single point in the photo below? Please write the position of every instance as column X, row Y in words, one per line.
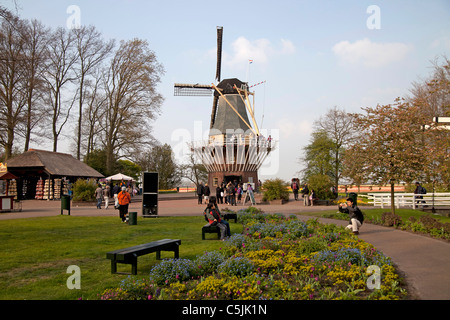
column 213, row 217
column 213, row 200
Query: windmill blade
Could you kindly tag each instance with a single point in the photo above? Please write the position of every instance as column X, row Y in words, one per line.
column 193, row 90
column 219, row 53
column 218, row 71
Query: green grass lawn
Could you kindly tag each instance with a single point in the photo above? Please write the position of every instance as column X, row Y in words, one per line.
column 37, row 252
column 374, row 213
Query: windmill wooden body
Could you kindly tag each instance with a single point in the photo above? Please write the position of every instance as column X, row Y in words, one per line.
column 235, row 148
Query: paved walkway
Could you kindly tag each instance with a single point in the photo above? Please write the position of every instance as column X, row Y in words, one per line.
column 424, row 261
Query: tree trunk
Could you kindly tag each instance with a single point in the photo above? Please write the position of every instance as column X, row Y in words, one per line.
column 392, row 197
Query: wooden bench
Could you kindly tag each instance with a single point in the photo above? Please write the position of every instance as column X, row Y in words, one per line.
column 318, row 202
column 229, row 216
column 210, row 229
column 129, row 255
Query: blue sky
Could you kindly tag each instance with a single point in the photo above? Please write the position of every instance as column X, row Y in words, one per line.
column 313, row 55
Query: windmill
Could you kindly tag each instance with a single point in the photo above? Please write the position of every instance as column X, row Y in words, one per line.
column 235, row 149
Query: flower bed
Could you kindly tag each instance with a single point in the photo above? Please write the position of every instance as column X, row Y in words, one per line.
column 275, row 258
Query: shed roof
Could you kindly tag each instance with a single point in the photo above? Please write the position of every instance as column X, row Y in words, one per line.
column 54, row 163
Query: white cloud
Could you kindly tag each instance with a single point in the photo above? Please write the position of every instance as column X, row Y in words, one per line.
column 288, row 128
column 370, row 54
column 441, row 42
column 260, row 51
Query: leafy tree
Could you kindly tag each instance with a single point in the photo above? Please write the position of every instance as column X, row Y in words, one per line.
column 129, row 168
column 161, row 159
column 432, row 97
column 318, row 155
column 97, row 160
column 275, row 189
column 319, row 171
column 390, row 144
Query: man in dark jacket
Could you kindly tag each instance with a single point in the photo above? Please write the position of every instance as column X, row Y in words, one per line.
column 200, row 192
column 355, row 215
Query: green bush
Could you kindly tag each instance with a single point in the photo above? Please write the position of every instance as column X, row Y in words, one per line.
column 208, row 263
column 275, row 189
column 84, row 190
column 172, row 270
column 239, row 266
column 321, row 184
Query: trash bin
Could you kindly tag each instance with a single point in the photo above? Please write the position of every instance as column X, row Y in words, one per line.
column 65, row 203
column 354, row 196
column 132, row 218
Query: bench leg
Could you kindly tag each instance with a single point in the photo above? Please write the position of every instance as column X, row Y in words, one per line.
column 177, row 252
column 158, row 255
column 134, row 268
column 203, row 234
column 134, row 265
column 113, row 266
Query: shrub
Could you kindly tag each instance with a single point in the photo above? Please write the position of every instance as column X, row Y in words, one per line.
column 208, row 263
column 172, row 270
column 291, row 229
column 84, row 190
column 321, row 184
column 390, row 219
column 239, row 266
column 275, row 189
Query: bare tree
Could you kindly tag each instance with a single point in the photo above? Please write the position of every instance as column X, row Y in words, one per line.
column 339, row 126
column 12, row 78
column 62, row 57
column 37, row 36
column 132, row 99
column 92, row 51
column 94, row 112
column 193, row 170
column 432, row 94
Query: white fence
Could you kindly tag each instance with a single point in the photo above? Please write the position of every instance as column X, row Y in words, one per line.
column 412, row 200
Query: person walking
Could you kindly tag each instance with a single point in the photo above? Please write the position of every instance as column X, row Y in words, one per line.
column 219, row 194
column 115, row 192
column 312, row 197
column 207, row 192
column 124, row 199
column 355, row 215
column 239, row 191
column 200, row 192
column 99, row 196
column 106, row 195
column 305, row 195
column 295, row 187
column 420, row 190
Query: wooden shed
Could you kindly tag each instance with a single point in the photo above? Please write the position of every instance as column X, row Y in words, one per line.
column 47, row 175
